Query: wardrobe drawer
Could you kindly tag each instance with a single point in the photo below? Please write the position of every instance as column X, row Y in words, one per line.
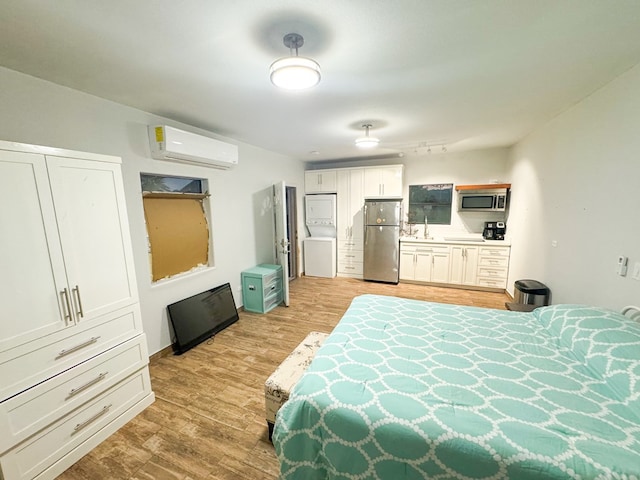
column 34, row 409
column 31, row 363
column 38, row 452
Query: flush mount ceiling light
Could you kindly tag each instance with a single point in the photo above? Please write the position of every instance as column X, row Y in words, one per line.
column 294, row 72
column 366, row 141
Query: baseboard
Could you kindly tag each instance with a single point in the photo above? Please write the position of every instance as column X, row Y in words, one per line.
column 165, row 352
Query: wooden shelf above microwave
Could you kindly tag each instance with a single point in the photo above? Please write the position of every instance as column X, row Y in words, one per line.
column 488, row 186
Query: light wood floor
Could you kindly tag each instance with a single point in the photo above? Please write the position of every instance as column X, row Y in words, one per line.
column 208, row 418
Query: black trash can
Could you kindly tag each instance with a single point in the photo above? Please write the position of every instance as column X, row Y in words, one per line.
column 531, row 292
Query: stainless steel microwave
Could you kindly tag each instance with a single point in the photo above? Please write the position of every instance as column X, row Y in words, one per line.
column 494, row 200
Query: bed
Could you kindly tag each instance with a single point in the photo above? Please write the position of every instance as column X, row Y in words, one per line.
column 405, row 389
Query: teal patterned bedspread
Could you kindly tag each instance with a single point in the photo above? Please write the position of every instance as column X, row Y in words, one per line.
column 404, row 389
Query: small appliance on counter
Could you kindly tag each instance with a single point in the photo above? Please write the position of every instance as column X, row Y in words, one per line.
column 494, row 231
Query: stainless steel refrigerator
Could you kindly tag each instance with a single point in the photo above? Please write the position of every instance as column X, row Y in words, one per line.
column 382, row 240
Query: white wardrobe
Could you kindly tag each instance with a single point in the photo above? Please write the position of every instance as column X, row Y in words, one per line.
column 73, row 358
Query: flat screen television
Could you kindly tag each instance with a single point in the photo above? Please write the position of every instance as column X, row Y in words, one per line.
column 201, row 316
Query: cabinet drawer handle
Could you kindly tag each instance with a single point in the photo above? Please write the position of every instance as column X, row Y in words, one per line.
column 350, row 256
column 77, row 347
column 89, row 421
column 77, row 292
column 251, row 287
column 67, row 314
column 75, row 391
column 349, row 268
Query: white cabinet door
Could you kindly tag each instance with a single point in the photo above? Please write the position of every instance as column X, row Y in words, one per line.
column 350, row 201
column 320, row 181
column 440, row 270
column 464, row 265
column 89, row 202
column 343, row 202
column 391, row 180
column 372, row 185
column 470, row 266
column 356, row 198
column 423, row 266
column 32, row 289
column 407, row 265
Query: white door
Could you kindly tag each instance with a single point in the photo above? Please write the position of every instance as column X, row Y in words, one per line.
column 281, row 238
column 88, row 198
column 33, row 288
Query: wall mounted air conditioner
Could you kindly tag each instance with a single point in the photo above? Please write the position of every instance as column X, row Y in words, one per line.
column 169, row 143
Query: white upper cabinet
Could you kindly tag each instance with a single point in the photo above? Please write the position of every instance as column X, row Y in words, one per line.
column 383, row 182
column 67, row 255
column 320, row 181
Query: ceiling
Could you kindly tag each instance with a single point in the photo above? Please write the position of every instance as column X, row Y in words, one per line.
column 466, row 73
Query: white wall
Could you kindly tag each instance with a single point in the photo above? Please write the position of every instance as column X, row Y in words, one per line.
column 39, row 112
column 460, row 168
column 576, row 181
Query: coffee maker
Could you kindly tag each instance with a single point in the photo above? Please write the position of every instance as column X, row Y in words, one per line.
column 494, row 231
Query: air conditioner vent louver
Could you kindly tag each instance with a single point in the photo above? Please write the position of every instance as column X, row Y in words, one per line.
column 172, row 144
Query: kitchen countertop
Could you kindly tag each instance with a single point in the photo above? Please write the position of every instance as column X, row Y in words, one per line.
column 457, row 240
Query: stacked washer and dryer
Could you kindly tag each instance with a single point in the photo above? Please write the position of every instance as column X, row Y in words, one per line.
column 320, row 247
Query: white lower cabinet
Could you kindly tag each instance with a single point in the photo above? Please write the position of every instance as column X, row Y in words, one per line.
column 38, row 456
column 455, row 264
column 493, row 266
column 464, row 265
column 73, row 358
column 424, row 263
column 350, row 259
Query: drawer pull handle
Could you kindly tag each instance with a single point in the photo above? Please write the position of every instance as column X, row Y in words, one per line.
column 89, row 421
column 252, row 288
column 350, row 256
column 77, row 292
column 75, row 391
column 77, row 347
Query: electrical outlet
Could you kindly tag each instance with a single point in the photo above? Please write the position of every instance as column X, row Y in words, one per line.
column 636, row 271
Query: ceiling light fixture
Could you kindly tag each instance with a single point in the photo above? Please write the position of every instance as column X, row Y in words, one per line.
column 294, row 72
column 367, row 141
